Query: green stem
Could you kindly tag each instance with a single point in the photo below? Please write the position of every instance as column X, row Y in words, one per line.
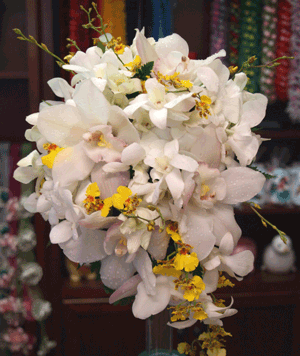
column 265, row 222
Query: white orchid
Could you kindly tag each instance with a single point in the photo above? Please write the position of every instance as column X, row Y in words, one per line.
column 139, row 165
column 167, row 164
column 161, row 106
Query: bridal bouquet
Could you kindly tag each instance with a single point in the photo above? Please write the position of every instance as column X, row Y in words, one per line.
column 139, row 166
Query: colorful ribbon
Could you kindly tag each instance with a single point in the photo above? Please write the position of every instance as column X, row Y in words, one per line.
column 293, row 107
column 269, row 36
column 234, row 31
column 283, row 49
column 250, row 39
column 219, row 24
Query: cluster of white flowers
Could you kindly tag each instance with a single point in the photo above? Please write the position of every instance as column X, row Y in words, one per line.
column 147, row 152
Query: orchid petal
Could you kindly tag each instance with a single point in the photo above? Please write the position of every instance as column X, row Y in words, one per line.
column 227, row 244
column 175, row 183
column 242, row 184
column 133, row 154
column 146, row 305
column 127, row 289
column 61, row 232
column 114, row 271
column 145, row 49
column 240, row 263
column 87, row 248
column 159, row 117
column 143, row 265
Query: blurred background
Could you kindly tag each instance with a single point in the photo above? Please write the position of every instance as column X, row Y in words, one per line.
column 82, row 322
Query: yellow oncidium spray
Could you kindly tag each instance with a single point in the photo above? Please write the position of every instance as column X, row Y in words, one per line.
column 173, row 81
column 53, row 150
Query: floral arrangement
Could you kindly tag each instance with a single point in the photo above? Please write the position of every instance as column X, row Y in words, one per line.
column 140, row 165
column 20, row 299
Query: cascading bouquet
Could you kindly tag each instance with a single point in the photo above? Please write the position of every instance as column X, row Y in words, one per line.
column 139, row 166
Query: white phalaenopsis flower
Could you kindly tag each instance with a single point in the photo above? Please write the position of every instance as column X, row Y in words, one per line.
column 221, row 259
column 167, row 164
column 161, row 106
column 139, row 165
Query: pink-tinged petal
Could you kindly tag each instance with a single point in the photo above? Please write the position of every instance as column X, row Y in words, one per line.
column 96, row 221
column 143, row 265
column 122, row 127
column 189, row 186
column 61, row 232
column 171, row 43
column 242, row 184
column 108, row 182
column 145, row 49
column 115, row 167
column 241, row 263
column 146, row 305
column 185, row 163
column 224, row 221
column 175, row 183
column 133, row 154
column 202, row 147
column 71, row 165
column 61, row 124
column 113, row 234
column 197, row 231
column 98, row 154
column 114, row 271
column 227, row 244
column 158, row 245
column 254, row 110
column 91, row 102
column 159, row 117
column 87, row 248
column 128, row 289
column 211, row 279
column 209, row 78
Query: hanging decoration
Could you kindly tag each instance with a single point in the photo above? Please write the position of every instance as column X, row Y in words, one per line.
column 283, row 49
column 250, row 40
column 293, row 107
column 269, row 36
column 219, row 23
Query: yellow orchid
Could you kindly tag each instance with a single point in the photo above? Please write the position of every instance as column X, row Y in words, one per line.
column 186, row 261
column 53, row 150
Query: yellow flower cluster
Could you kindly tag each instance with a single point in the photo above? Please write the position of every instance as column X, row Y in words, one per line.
column 92, row 201
column 173, row 81
column 224, row 282
column 172, row 230
column 203, row 105
column 192, row 287
column 122, row 201
column 166, row 268
column 213, row 340
column 135, row 64
column 117, row 45
column 53, row 150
